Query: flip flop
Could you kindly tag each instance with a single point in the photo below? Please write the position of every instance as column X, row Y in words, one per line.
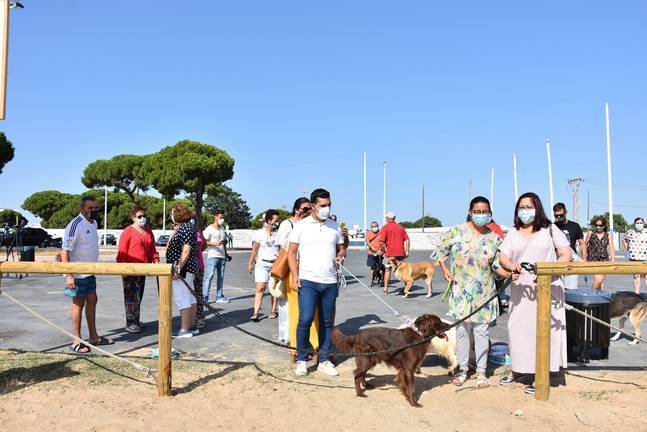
column 103, row 341
column 255, row 318
column 273, row 315
column 78, row 347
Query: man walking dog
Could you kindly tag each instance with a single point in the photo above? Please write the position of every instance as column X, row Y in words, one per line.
column 396, row 240
column 319, row 242
column 81, row 244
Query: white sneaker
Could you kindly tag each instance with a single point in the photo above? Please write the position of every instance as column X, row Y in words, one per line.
column 328, row 368
column 302, row 369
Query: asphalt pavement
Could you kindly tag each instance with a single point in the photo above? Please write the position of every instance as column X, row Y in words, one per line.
column 356, row 308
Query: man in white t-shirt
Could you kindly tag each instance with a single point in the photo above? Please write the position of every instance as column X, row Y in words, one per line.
column 81, row 244
column 216, row 238
column 319, row 242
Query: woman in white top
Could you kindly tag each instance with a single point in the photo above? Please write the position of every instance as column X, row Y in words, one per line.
column 635, row 243
column 265, row 249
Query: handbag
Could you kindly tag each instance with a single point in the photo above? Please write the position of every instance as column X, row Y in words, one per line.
column 280, row 268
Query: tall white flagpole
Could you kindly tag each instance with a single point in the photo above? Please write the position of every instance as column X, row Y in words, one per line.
column 550, row 175
column 514, row 171
column 606, row 117
column 105, row 215
column 384, row 195
column 365, row 199
column 492, row 190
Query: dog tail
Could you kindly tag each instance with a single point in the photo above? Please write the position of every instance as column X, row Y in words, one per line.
column 341, row 341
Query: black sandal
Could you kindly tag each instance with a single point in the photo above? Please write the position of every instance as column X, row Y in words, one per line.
column 255, row 318
column 273, row 315
column 77, row 348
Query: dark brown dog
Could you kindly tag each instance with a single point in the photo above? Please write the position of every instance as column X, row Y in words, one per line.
column 382, row 338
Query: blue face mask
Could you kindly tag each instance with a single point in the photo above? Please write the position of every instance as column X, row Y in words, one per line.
column 526, row 215
column 481, row 220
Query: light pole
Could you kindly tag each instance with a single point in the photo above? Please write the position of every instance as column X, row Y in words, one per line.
column 105, row 216
column 384, row 193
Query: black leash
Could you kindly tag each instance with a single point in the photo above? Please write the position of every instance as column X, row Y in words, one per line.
column 393, row 350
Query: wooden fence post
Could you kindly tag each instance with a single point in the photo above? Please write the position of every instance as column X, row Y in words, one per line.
column 542, row 359
column 164, row 335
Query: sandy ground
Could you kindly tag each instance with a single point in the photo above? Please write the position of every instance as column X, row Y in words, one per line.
column 63, row 392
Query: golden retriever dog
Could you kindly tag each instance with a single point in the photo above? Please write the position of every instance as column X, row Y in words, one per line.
column 408, row 273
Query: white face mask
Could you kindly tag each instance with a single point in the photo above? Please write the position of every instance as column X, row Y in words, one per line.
column 639, row 227
column 375, row 229
column 221, row 222
column 141, row 222
column 323, row 212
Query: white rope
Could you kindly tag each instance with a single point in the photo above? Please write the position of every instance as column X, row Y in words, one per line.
column 109, row 354
column 395, row 312
column 568, row 307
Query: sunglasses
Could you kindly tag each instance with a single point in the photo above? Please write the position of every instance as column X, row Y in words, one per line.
column 598, row 225
column 559, row 215
column 140, row 216
column 305, row 209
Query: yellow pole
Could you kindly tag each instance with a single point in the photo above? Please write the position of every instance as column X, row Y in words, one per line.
column 164, row 335
column 542, row 359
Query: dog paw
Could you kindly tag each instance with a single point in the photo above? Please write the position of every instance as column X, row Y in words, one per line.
column 633, row 342
column 416, row 405
column 362, row 395
column 429, row 295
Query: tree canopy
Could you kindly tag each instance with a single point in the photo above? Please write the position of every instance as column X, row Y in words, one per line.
column 6, row 151
column 122, row 172
column 619, row 222
column 188, row 166
column 221, row 197
column 12, row 218
column 430, row 222
column 56, row 209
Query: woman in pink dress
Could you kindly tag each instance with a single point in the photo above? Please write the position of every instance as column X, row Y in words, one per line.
column 533, row 239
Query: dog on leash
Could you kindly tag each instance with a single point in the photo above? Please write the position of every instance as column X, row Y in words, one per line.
column 408, row 273
column 406, row 361
column 628, row 304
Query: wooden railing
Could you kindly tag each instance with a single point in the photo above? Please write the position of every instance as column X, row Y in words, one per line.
column 545, row 273
column 163, row 271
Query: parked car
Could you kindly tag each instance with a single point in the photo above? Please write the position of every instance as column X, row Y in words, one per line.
column 162, row 240
column 111, row 239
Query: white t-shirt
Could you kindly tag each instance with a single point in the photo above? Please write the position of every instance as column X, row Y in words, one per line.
column 317, row 249
column 269, row 249
column 211, row 235
column 82, row 241
column 283, row 233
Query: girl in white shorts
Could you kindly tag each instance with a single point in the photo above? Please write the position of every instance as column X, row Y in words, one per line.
column 265, row 249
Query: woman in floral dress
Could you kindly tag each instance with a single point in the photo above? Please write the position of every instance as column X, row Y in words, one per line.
column 473, row 249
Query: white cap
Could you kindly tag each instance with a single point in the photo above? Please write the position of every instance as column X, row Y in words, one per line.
column 390, row 215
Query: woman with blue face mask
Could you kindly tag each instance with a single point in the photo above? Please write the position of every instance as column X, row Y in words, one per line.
column 533, row 239
column 473, row 249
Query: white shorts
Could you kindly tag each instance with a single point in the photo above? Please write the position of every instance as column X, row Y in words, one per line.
column 181, row 295
column 262, row 271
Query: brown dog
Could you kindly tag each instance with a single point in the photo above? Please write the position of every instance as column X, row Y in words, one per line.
column 411, row 272
column 381, row 338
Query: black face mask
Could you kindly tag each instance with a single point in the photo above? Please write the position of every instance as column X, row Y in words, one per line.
column 93, row 215
column 275, row 227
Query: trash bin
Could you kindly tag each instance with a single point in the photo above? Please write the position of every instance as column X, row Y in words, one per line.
column 586, row 339
column 28, row 253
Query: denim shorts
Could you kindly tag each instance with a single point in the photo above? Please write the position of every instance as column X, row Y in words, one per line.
column 84, row 286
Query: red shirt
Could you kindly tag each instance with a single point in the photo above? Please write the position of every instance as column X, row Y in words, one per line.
column 136, row 247
column 373, row 242
column 393, row 235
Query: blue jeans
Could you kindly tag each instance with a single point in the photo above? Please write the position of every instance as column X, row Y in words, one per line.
column 214, row 265
column 311, row 296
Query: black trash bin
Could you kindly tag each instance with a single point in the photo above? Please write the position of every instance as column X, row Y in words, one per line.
column 28, row 253
column 586, row 339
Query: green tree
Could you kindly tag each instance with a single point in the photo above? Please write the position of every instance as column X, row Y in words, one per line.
column 188, row 166
column 12, row 218
column 257, row 222
column 45, row 204
column 122, row 172
column 6, row 151
column 430, row 222
column 619, row 222
column 221, row 197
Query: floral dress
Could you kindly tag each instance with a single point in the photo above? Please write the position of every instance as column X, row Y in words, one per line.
column 474, row 260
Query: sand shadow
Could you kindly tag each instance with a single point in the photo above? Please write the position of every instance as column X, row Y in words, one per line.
column 18, row 378
column 423, row 383
column 189, row 387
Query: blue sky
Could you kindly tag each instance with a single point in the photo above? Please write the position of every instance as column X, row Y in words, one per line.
column 296, row 92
